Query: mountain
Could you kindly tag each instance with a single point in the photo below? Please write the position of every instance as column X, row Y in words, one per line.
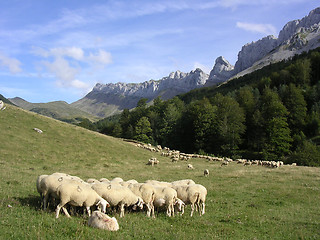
column 296, row 37
column 108, row 99
column 58, row 109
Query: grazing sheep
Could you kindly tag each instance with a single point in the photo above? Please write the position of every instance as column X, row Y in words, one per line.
column 103, row 221
column 206, row 172
column 92, row 181
column 116, row 180
column 147, row 193
column 118, row 196
column 183, row 182
column 1, row 104
column 165, row 196
column 77, row 194
column 190, row 166
column 225, row 163
column 153, row 161
column 192, row 194
column 48, row 185
column 158, row 183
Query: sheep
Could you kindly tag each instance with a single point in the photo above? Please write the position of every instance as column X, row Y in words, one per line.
column 183, row 182
column 92, row 181
column 206, row 172
column 190, row 166
column 225, row 163
column 118, row 196
column 1, row 104
column 49, row 184
column 39, row 178
column 147, row 193
column 77, row 194
column 103, row 221
column 165, row 196
column 158, row 183
column 192, row 194
column 38, row 130
column 153, row 161
column 116, row 180
column 104, row 180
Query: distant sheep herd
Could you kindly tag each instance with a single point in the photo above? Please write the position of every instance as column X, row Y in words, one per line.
column 117, row 193
column 178, row 156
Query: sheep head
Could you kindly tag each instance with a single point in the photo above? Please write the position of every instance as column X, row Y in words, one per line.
column 103, row 204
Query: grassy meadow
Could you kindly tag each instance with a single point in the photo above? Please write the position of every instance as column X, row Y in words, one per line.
column 243, row 202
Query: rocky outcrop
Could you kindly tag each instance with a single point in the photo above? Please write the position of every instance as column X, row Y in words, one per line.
column 221, row 71
column 113, row 97
column 252, row 52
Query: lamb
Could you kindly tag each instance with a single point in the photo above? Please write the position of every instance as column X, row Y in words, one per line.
column 118, row 196
column 165, row 196
column 192, row 194
column 103, row 221
column 147, row 193
column 77, row 194
column 206, row 172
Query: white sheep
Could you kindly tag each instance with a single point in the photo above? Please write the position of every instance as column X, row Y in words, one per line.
column 190, row 166
column 38, row 130
column 48, row 185
column 153, row 161
column 147, row 193
column 77, row 194
column 116, row 180
column 118, row 196
column 158, row 183
column 183, row 182
column 165, row 196
column 39, row 179
column 195, row 195
column 1, row 104
column 103, row 221
column 206, row 172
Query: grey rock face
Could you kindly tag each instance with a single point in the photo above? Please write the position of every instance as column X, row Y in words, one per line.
column 222, row 70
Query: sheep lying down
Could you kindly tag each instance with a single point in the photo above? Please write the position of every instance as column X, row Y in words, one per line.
column 103, row 221
column 77, row 194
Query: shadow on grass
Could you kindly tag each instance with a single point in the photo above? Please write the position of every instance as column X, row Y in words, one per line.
column 32, row 201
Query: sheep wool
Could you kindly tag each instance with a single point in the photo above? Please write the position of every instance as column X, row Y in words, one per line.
column 103, row 221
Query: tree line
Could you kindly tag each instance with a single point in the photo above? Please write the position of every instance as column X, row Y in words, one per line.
column 271, row 114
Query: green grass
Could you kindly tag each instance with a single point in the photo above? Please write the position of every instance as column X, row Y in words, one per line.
column 243, row 202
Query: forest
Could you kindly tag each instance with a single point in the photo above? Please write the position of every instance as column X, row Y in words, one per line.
column 270, row 114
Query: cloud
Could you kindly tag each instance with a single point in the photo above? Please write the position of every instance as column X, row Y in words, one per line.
column 11, row 63
column 267, row 29
column 102, row 57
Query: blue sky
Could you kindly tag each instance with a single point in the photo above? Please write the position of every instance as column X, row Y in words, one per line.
column 58, row 50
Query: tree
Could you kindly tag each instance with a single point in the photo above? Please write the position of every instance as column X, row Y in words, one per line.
column 230, row 124
column 143, row 130
column 297, row 107
column 278, row 140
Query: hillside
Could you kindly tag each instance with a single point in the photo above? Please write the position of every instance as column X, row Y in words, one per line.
column 58, row 110
column 240, row 205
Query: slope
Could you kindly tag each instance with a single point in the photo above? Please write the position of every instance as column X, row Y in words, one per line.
column 237, row 207
column 58, row 110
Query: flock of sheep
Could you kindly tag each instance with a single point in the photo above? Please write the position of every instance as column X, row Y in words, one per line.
column 72, row 190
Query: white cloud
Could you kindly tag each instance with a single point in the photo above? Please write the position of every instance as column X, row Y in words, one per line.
column 102, row 57
column 73, row 52
column 62, row 71
column 11, row 63
column 267, row 29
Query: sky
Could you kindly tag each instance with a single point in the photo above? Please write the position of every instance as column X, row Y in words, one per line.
column 58, row 50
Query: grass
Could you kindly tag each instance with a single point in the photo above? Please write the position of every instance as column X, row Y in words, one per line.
column 243, row 202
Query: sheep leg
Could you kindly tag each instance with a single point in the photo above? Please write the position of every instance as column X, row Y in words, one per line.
column 65, row 211
column 192, row 209
column 122, row 210
column 203, row 208
column 168, row 211
column 89, row 211
column 148, row 209
column 152, row 211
